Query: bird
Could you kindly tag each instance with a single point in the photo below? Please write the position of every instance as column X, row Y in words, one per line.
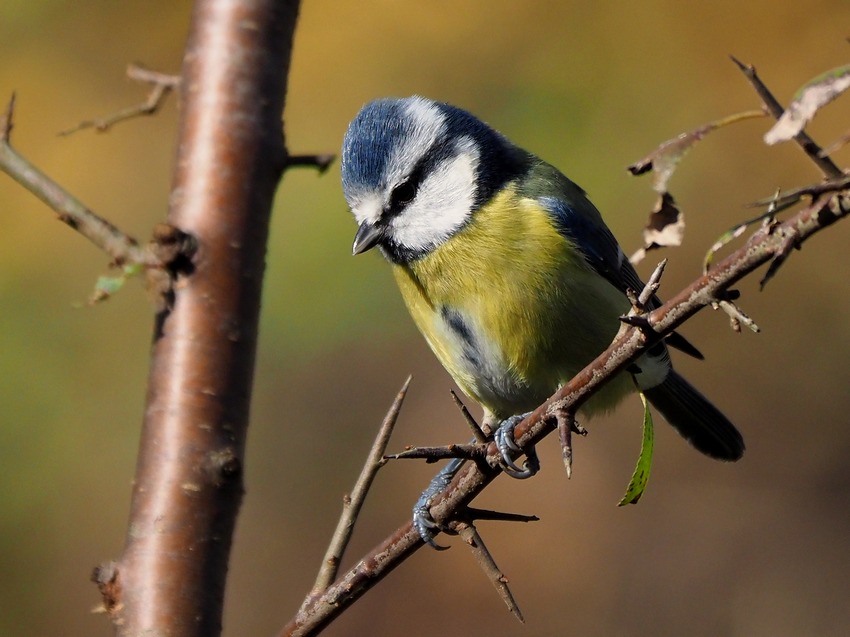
column 506, row 267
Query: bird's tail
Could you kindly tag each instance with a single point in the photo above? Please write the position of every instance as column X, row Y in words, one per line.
column 699, row 422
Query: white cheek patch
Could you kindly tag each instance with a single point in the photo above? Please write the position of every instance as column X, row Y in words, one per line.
column 443, row 201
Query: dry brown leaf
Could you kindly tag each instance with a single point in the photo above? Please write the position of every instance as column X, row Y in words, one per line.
column 665, row 227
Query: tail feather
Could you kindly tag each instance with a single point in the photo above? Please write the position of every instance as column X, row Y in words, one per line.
column 699, row 422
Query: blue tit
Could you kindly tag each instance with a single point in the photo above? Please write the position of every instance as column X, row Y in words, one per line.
column 505, row 265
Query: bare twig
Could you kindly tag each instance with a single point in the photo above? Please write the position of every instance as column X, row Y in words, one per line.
column 321, row 162
column 812, row 150
column 140, row 73
column 161, row 259
column 163, row 85
column 736, row 316
column 352, row 504
column 783, row 200
column 484, row 558
column 433, row 454
column 838, row 144
column 121, row 248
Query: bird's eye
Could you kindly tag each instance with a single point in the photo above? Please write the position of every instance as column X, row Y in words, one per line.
column 402, row 195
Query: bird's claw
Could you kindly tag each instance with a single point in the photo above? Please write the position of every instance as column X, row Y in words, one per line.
column 423, row 522
column 508, row 448
column 425, row 525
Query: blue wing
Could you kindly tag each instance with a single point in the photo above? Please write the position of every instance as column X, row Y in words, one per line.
column 579, row 220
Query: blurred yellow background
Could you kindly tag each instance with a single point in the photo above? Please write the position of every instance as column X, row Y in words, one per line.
column 758, row 548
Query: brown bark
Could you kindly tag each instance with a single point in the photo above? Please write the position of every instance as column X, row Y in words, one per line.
column 171, row 576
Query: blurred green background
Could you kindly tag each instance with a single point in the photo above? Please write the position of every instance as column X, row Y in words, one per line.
column 758, row 548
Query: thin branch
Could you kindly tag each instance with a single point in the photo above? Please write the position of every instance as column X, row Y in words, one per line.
column 354, row 503
column 434, row 454
column 737, row 317
column 838, row 144
column 782, row 200
column 140, row 73
column 484, row 558
column 121, row 248
column 629, row 344
column 321, row 161
column 162, row 87
column 814, row 152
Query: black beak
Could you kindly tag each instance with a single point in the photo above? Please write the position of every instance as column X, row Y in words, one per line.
column 367, row 237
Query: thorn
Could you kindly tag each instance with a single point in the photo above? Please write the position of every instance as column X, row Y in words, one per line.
column 746, row 68
column 633, row 299
column 636, row 321
column 485, row 560
column 652, row 284
column 498, row 516
column 567, row 425
column 480, row 438
column 6, row 123
column 789, row 242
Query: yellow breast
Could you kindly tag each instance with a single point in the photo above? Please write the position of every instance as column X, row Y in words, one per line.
column 510, row 307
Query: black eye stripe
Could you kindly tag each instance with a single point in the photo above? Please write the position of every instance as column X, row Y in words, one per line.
column 403, row 194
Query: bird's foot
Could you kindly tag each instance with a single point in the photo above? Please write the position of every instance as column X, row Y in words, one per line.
column 508, row 448
column 423, row 522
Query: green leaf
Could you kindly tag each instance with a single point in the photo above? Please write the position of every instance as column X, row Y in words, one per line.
column 640, row 477
column 107, row 286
